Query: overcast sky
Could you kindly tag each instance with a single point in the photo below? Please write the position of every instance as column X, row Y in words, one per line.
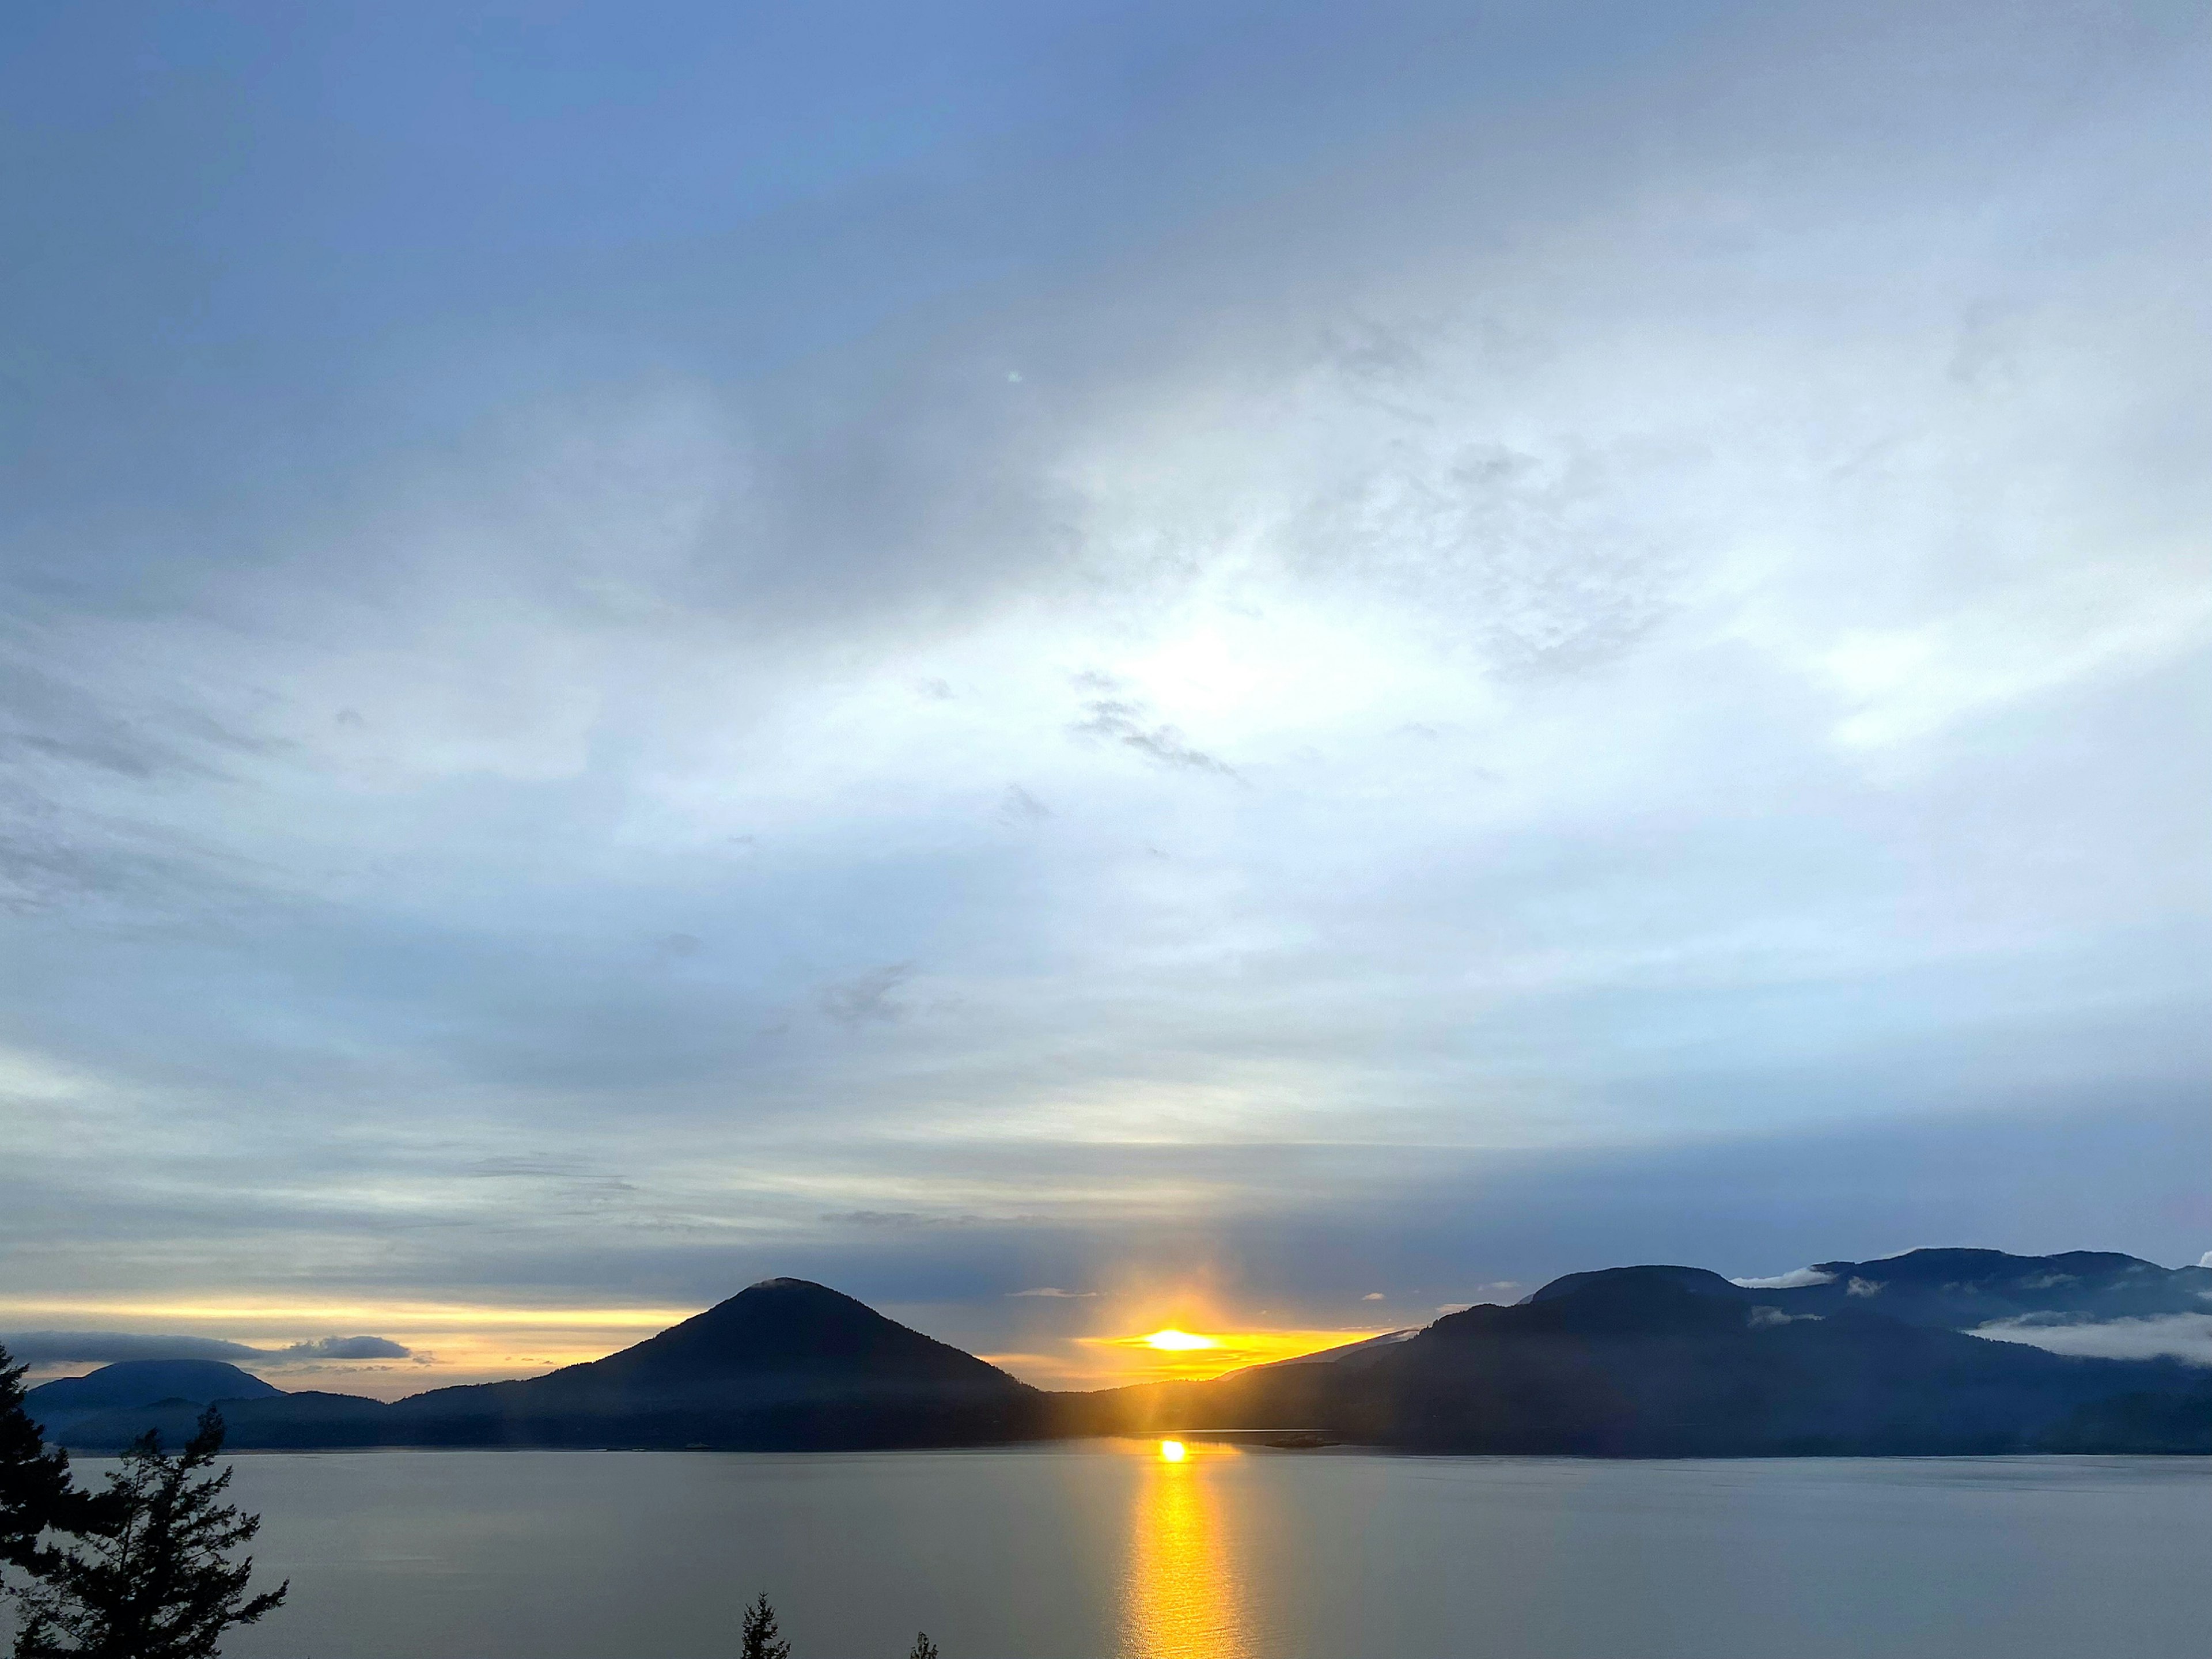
column 1284, row 664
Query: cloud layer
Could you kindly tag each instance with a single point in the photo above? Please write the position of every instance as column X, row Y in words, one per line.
column 107, row 1348
column 1273, row 659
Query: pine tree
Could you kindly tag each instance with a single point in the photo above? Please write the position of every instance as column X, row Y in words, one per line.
column 762, row 1639
column 155, row 1579
column 36, row 1491
column 923, row 1647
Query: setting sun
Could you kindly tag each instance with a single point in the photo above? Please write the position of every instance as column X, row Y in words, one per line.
column 1172, row 1451
column 1171, row 1353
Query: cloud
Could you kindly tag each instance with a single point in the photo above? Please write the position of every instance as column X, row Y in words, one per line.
column 868, row 999
column 1768, row 483
column 108, row 1348
column 1056, row 1293
column 886, row 1218
column 346, row 1347
column 1019, row 806
column 2177, row 1336
column 1123, row 722
column 1374, row 1296
column 1764, row 1318
column 1796, row 1278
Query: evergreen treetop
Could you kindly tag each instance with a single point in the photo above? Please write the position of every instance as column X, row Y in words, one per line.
column 761, row 1639
column 36, row 1491
column 153, row 1580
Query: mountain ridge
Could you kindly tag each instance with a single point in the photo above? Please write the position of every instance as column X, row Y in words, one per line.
column 1648, row 1360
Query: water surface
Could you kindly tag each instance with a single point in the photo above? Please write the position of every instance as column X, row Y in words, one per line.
column 1076, row 1551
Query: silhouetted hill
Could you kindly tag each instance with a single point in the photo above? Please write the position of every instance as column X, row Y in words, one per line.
column 1668, row 1361
column 132, row 1384
column 301, row 1421
column 1695, row 1280
column 783, row 1365
column 1647, row 1361
column 1641, row 1362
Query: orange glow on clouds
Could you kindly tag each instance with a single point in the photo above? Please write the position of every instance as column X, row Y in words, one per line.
column 459, row 1342
column 452, row 1341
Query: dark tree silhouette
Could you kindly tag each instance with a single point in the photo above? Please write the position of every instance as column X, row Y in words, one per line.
column 36, row 1491
column 153, row 1580
column 762, row 1639
column 923, row 1648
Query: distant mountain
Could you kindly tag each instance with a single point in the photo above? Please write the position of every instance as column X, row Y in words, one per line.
column 1673, row 1361
column 132, row 1384
column 783, row 1365
column 1962, row 1289
column 1647, row 1361
column 1644, row 1362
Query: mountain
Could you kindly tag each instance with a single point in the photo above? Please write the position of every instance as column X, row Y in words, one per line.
column 1963, row 1290
column 1644, row 1361
column 1671, row 1361
column 785, row 1365
column 132, row 1384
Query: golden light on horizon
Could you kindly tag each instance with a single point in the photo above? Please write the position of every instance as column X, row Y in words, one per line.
column 451, row 1342
column 1173, row 1451
column 1173, row 1353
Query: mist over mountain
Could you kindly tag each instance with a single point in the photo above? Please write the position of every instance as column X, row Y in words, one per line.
column 1641, row 1361
column 1959, row 1289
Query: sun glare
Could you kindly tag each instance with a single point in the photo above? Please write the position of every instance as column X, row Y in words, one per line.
column 1173, row 1451
column 1172, row 1354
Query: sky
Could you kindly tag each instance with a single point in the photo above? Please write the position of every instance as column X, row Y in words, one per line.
column 1083, row 667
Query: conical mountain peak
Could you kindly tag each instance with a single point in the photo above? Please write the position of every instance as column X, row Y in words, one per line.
column 793, row 1328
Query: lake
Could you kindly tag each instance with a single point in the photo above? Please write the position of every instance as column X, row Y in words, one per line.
column 1075, row 1552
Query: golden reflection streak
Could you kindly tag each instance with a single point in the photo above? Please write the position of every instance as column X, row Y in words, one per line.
column 1181, row 1599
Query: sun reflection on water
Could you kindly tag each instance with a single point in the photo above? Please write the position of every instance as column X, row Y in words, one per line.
column 1181, row 1600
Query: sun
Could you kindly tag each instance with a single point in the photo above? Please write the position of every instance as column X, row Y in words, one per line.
column 1171, row 1341
column 1173, row 1451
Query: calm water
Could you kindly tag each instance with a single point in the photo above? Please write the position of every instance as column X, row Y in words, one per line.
column 1074, row 1553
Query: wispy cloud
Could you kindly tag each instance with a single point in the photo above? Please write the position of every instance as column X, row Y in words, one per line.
column 868, row 999
column 1126, row 723
column 107, row 1348
column 1796, row 1278
column 2176, row 1336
